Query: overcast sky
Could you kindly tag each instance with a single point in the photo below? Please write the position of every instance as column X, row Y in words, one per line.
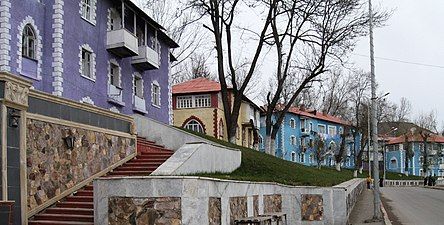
column 414, row 33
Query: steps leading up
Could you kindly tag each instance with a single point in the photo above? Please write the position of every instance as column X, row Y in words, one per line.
column 77, row 209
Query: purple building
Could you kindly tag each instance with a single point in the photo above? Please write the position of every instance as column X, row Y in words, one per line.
column 108, row 53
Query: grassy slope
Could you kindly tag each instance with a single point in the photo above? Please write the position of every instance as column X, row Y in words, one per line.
column 258, row 166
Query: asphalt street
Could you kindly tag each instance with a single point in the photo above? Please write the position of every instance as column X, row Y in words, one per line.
column 414, row 205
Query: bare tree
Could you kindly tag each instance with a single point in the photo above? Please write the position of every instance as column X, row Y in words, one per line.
column 336, row 94
column 320, row 150
column 339, row 157
column 425, row 135
column 428, row 121
column 193, row 68
column 404, row 110
column 222, row 15
column 316, row 33
column 409, row 153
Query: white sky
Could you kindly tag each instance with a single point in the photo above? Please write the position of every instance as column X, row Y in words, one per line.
column 415, row 34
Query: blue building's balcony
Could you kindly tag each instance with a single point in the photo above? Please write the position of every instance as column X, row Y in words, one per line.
column 148, row 58
column 122, row 43
column 305, row 132
column 115, row 95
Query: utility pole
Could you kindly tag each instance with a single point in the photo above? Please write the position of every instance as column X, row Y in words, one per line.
column 377, row 216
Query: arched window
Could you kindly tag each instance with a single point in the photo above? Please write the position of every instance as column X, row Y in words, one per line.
column 293, row 156
column 194, row 126
column 393, row 163
column 28, row 42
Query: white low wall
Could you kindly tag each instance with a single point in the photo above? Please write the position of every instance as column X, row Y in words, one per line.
column 303, row 205
column 403, row 183
column 196, row 158
column 168, row 136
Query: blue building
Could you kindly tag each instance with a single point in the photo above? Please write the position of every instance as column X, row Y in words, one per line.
column 297, row 135
column 395, row 155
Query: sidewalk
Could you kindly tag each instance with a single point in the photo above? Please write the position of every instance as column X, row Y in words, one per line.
column 363, row 210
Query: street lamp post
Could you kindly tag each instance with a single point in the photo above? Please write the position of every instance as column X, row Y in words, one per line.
column 377, row 216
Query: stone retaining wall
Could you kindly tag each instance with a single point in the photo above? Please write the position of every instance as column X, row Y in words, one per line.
column 214, row 201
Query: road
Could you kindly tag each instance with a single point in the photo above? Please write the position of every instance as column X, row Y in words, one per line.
column 414, row 205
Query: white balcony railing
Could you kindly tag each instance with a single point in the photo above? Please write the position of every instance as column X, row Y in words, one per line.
column 147, row 59
column 139, row 104
column 115, row 93
column 122, row 42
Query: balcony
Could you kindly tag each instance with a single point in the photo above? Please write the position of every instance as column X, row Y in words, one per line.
column 139, row 104
column 148, row 59
column 305, row 132
column 115, row 95
column 122, row 43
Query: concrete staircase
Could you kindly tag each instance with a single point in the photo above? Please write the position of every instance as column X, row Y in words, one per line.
column 78, row 209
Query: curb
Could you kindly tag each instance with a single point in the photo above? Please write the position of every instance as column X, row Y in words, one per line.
column 386, row 219
column 436, row 188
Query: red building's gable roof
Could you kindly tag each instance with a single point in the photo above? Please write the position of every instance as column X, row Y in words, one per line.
column 198, row 85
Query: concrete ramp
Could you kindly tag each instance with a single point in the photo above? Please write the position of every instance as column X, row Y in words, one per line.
column 193, row 158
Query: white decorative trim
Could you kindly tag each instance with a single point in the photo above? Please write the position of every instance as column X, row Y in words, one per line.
column 114, row 109
column 93, row 62
column 170, row 94
column 39, row 46
column 114, row 62
column 57, row 45
column 92, row 20
column 87, row 100
column 5, row 29
column 160, row 98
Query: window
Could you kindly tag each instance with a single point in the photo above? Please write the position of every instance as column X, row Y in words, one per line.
column 155, row 93
column 293, row 140
column 421, row 160
column 202, row 101
column 194, row 126
column 193, row 101
column 341, row 130
column 332, row 130
column 114, row 76
column 138, row 86
column 293, row 156
column 221, row 129
column 86, row 63
column 28, row 42
column 292, row 123
column 184, row 102
column 303, row 125
column 86, row 9
column 393, row 163
column 310, row 128
column 321, row 129
column 302, row 157
column 311, row 159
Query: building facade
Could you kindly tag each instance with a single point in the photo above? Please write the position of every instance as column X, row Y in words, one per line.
column 197, row 106
column 106, row 53
column 297, row 136
column 395, row 155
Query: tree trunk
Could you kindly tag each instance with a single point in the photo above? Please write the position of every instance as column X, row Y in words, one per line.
column 268, row 144
column 272, row 146
column 338, row 166
column 355, row 173
column 360, row 170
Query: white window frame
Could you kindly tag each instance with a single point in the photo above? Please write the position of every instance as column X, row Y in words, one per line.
column 311, row 158
column 390, row 165
column 137, row 76
column 92, row 62
column 302, row 157
column 118, row 83
column 155, row 94
column 302, row 123
column 293, row 156
column 293, row 140
column 323, row 126
column 88, row 10
column 194, row 125
column 334, row 133
column 29, row 49
column 195, row 101
column 292, row 123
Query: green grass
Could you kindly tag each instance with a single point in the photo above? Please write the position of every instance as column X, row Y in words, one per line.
column 258, row 166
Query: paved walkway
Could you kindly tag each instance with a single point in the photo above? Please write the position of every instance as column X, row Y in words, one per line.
column 414, row 205
column 363, row 209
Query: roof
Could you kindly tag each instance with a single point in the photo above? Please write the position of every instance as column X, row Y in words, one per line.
column 385, row 128
column 163, row 35
column 198, row 85
column 416, row 138
column 317, row 115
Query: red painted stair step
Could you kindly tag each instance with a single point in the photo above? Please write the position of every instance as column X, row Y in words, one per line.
column 66, row 204
column 65, row 217
column 51, row 222
column 79, row 211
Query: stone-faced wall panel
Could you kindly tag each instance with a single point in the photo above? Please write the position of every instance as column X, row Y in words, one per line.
column 238, row 208
column 145, row 211
column 214, row 211
column 312, row 207
column 52, row 168
column 272, row 203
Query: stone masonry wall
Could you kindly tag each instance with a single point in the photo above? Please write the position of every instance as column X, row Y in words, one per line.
column 52, row 168
column 272, row 203
column 238, row 208
column 145, row 211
